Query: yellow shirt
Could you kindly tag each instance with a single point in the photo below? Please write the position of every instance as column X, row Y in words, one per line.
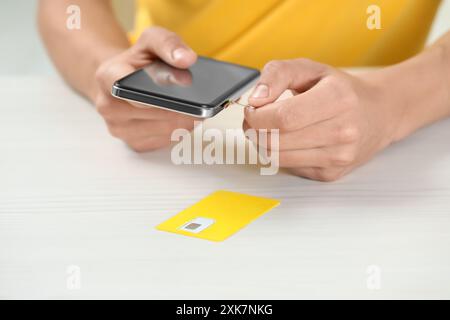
column 252, row 32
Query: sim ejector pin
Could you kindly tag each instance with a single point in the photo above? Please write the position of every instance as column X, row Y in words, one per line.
column 241, row 104
column 230, row 102
column 249, row 107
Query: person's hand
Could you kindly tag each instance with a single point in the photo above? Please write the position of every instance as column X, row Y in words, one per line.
column 143, row 129
column 333, row 123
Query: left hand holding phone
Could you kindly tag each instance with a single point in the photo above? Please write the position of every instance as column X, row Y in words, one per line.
column 150, row 128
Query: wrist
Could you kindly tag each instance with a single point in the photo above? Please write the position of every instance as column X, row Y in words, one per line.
column 385, row 105
column 415, row 92
column 395, row 103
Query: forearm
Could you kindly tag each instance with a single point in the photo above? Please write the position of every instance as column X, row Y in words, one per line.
column 78, row 53
column 418, row 88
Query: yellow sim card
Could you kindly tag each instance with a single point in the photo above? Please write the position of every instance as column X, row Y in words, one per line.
column 218, row 216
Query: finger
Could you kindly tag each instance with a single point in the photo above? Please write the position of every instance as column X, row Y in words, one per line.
column 305, row 109
column 278, row 76
column 149, row 144
column 332, row 157
column 320, row 174
column 167, row 45
column 304, row 158
column 153, row 112
column 140, row 129
column 262, row 118
column 110, row 72
column 116, row 110
column 323, row 134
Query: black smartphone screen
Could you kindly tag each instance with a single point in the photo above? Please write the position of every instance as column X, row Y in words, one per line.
column 207, row 82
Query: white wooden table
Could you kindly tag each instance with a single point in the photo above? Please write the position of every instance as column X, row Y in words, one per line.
column 72, row 195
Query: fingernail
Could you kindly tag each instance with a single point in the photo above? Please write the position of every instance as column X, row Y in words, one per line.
column 261, row 91
column 249, row 108
column 179, row 53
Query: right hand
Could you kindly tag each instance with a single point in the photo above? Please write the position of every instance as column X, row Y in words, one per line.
column 143, row 129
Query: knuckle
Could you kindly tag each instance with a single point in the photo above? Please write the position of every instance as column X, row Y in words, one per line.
column 350, row 99
column 138, row 147
column 106, row 68
column 327, row 175
column 170, row 39
column 334, row 84
column 320, row 69
column 343, row 158
column 101, row 73
column 342, row 91
column 117, row 129
column 304, row 61
column 114, row 130
column 283, row 120
column 348, row 134
column 273, row 65
column 301, row 172
column 142, row 146
column 104, row 108
column 150, row 32
column 319, row 174
column 160, row 36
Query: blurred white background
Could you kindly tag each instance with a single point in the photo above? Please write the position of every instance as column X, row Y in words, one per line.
column 22, row 53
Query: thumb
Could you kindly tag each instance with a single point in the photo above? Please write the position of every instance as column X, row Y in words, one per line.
column 281, row 75
column 167, row 46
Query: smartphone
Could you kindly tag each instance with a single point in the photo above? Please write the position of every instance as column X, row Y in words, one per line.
column 203, row 90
